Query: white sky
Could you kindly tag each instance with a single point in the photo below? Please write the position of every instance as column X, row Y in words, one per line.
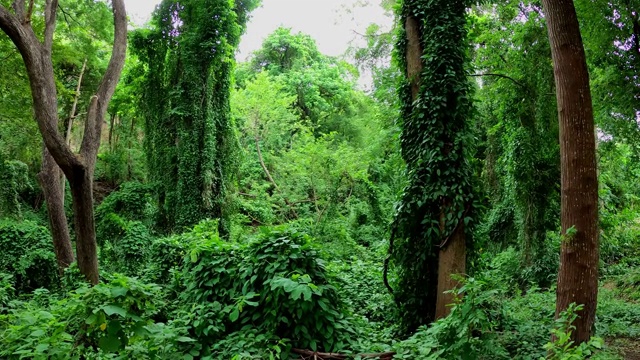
column 330, row 22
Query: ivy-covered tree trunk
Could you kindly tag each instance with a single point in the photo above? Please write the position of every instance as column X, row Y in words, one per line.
column 190, row 142
column 429, row 232
column 578, row 274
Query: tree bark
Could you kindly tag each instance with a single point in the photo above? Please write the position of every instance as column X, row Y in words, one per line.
column 78, row 168
column 451, row 260
column 578, row 273
column 49, row 177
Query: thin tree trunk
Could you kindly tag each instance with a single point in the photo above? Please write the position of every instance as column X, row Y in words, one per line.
column 49, row 178
column 273, row 182
column 578, row 274
column 82, row 192
column 72, row 113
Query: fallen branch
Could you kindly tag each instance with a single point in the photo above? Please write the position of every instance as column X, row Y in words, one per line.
column 308, row 354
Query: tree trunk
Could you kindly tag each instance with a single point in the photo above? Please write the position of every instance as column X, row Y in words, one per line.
column 82, row 193
column 452, row 260
column 578, row 274
column 452, row 255
column 414, row 69
column 49, row 178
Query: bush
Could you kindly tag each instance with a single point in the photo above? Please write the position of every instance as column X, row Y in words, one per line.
column 27, row 254
column 127, row 251
column 113, row 317
column 131, row 202
column 275, row 284
column 166, row 255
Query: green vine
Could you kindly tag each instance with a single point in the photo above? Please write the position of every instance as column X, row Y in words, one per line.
column 190, row 139
column 433, row 140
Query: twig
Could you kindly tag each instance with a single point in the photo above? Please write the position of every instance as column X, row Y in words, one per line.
column 501, row 76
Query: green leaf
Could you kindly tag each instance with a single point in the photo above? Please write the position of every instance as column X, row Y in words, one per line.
column 91, row 319
column 114, row 309
column 234, row 315
column 185, row 339
column 109, row 343
column 119, row 291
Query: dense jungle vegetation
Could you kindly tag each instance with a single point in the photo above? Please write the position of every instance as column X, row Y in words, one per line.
column 473, row 203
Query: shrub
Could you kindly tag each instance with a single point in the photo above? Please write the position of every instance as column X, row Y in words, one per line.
column 127, row 250
column 27, row 254
column 275, row 284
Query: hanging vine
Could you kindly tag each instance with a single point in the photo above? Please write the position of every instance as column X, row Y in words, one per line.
column 435, row 107
column 190, row 141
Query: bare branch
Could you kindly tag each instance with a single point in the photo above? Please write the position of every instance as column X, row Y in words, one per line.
column 27, row 18
column 72, row 113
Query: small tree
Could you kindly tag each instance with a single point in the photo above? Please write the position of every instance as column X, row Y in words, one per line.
column 78, row 168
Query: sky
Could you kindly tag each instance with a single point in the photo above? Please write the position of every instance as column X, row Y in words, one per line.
column 334, row 24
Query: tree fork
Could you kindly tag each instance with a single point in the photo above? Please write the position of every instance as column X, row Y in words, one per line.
column 77, row 168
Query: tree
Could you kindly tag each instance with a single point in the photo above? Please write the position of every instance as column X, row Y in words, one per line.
column 578, row 274
column 189, row 137
column 78, row 168
column 323, row 85
column 429, row 228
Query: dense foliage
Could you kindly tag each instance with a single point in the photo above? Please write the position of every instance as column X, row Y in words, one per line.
column 244, row 211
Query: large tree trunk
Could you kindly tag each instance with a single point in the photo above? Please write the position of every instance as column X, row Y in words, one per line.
column 578, row 274
column 50, row 176
column 414, row 69
column 452, row 260
column 452, row 255
column 78, row 168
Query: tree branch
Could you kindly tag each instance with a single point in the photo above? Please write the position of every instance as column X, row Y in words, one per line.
column 100, row 101
column 18, row 8
column 27, row 18
column 502, row 76
column 49, row 23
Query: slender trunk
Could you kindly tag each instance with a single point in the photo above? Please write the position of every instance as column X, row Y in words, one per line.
column 72, row 113
column 112, row 118
column 49, row 178
column 82, row 192
column 578, row 274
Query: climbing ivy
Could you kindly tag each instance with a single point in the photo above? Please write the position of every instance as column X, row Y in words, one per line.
column 433, row 141
column 190, row 141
